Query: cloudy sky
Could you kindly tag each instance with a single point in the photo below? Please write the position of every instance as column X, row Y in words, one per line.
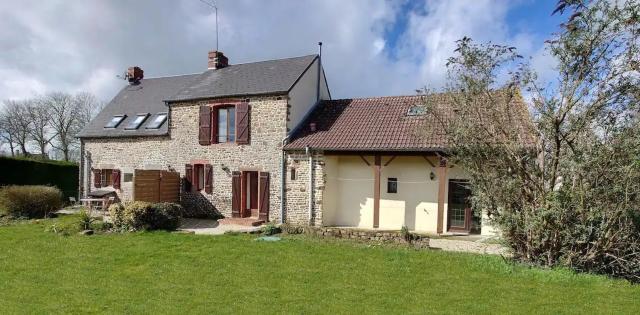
column 371, row 47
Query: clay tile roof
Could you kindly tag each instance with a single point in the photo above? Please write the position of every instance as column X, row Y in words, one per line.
column 375, row 124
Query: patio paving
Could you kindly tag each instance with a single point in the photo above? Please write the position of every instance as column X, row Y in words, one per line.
column 212, row 227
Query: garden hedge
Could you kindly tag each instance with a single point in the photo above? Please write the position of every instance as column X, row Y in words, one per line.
column 24, row 171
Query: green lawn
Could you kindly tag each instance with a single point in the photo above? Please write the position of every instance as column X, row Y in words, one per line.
column 41, row 272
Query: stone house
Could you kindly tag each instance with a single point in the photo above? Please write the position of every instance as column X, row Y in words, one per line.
column 264, row 141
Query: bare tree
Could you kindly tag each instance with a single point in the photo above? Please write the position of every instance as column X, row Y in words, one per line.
column 5, row 133
column 41, row 132
column 17, row 123
column 69, row 114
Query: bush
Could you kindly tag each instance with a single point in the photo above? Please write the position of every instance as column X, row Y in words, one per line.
column 29, row 201
column 270, row 229
column 85, row 220
column 140, row 215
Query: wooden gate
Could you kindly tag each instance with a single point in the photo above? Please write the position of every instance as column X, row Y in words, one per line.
column 156, row 186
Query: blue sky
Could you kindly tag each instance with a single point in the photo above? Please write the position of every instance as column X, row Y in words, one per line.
column 371, row 48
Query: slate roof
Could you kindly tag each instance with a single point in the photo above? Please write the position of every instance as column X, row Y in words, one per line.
column 265, row 77
column 378, row 124
column 151, row 95
column 146, row 97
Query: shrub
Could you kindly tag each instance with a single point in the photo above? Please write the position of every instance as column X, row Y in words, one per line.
column 85, row 220
column 270, row 229
column 27, row 171
column 30, row 201
column 140, row 215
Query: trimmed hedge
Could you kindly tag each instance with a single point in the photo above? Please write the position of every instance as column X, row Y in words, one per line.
column 24, row 171
column 29, row 201
column 139, row 215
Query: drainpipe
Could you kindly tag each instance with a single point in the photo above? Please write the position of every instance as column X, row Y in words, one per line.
column 310, row 155
column 81, row 170
column 283, row 175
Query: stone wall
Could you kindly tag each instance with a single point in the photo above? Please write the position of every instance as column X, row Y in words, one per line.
column 267, row 129
column 393, row 237
column 297, row 190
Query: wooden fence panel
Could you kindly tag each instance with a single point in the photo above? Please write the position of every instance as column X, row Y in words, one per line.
column 156, row 186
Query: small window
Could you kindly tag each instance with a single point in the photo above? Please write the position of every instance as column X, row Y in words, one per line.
column 416, row 110
column 293, row 174
column 134, row 124
column 128, row 177
column 226, row 124
column 198, row 173
column 392, row 185
column 105, row 177
column 115, row 121
column 157, row 121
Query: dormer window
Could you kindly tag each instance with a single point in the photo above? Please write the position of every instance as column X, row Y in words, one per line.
column 134, row 124
column 416, row 110
column 115, row 121
column 157, row 121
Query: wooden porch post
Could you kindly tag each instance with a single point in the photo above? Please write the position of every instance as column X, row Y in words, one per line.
column 442, row 186
column 376, row 191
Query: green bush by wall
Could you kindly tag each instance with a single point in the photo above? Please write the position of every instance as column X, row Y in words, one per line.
column 23, row 171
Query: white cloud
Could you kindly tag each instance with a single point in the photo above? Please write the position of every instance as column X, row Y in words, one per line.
column 83, row 45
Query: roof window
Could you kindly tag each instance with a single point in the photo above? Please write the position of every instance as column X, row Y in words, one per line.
column 134, row 124
column 115, row 121
column 416, row 110
column 158, row 121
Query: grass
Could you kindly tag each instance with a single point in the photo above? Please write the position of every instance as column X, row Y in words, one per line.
column 161, row 272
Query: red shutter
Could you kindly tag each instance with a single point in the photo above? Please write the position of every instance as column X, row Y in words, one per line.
column 188, row 177
column 214, row 125
column 242, row 123
column 263, row 195
column 97, row 178
column 204, row 134
column 115, row 179
column 208, row 178
column 236, row 187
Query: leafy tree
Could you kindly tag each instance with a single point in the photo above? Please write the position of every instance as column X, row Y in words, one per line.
column 564, row 186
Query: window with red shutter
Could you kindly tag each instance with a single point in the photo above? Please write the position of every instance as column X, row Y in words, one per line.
column 242, row 123
column 188, row 177
column 97, row 178
column 115, row 179
column 208, row 178
column 204, row 127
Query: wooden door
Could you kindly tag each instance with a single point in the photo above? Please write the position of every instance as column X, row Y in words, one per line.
column 250, row 194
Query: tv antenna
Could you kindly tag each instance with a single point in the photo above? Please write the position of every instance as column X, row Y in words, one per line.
column 212, row 4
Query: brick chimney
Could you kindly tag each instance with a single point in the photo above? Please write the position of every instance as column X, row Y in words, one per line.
column 134, row 75
column 217, row 60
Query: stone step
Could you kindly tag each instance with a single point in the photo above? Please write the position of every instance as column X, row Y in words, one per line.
column 241, row 221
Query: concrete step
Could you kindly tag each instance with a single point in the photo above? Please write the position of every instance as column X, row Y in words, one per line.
column 241, row 221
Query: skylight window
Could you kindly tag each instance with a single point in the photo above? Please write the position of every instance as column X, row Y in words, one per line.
column 115, row 121
column 134, row 124
column 416, row 110
column 158, row 121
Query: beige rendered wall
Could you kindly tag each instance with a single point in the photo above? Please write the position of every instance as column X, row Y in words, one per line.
column 348, row 195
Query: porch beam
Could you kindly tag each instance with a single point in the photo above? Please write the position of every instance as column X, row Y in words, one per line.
column 390, row 160
column 442, row 186
column 376, row 190
column 428, row 161
column 365, row 160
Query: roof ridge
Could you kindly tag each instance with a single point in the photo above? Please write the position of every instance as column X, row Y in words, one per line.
column 270, row 60
column 173, row 76
column 374, row 98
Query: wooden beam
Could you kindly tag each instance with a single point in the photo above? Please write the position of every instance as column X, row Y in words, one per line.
column 442, row 186
column 376, row 191
column 390, row 160
column 365, row 160
column 428, row 161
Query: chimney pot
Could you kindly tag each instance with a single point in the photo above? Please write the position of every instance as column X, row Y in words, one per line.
column 217, row 60
column 312, row 127
column 134, row 75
